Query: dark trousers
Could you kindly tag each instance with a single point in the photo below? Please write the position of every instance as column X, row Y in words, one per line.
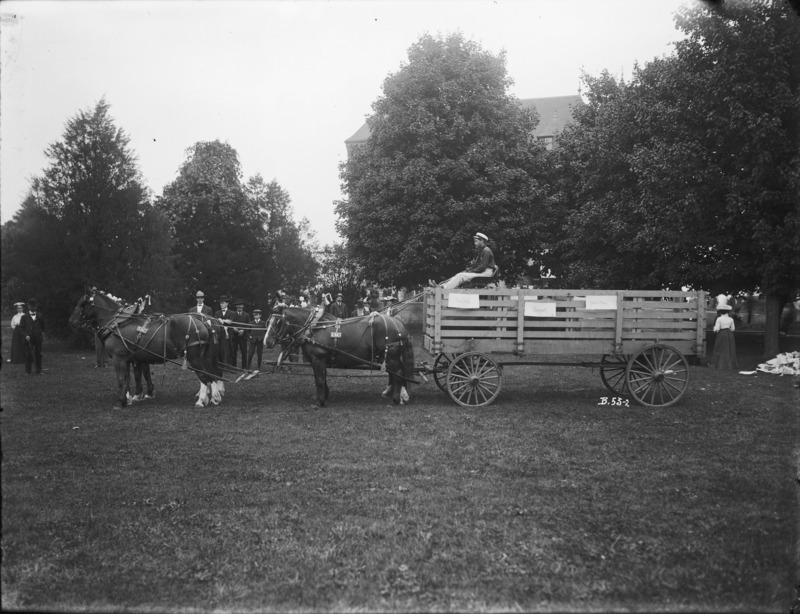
column 34, row 352
column 239, row 343
column 255, row 346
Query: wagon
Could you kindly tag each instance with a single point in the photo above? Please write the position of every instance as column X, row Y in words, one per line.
column 640, row 341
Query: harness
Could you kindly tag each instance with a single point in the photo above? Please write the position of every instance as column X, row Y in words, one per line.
column 304, row 335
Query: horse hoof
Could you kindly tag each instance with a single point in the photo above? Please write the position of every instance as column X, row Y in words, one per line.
column 149, row 396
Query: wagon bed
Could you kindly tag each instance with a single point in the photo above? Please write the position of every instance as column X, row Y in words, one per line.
column 638, row 339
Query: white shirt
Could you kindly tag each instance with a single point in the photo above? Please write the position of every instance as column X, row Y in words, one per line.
column 723, row 322
column 16, row 319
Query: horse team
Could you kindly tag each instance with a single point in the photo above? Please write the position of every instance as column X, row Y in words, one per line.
column 139, row 339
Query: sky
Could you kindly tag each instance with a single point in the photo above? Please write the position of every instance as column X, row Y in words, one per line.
column 284, row 83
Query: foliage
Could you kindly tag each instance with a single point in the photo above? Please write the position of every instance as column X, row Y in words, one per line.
column 86, row 220
column 450, row 154
column 688, row 175
column 290, row 245
column 340, row 273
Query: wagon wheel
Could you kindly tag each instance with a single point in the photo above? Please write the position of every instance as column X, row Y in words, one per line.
column 440, row 366
column 473, row 380
column 657, row 376
column 613, row 375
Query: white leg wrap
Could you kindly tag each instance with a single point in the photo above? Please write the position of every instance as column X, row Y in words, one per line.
column 129, row 397
column 216, row 396
column 387, row 391
column 202, row 396
column 404, row 396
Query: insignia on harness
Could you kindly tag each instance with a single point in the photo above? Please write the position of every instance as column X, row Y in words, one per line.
column 337, row 334
column 141, row 330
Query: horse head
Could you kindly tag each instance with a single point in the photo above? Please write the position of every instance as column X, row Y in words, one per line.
column 84, row 313
column 277, row 329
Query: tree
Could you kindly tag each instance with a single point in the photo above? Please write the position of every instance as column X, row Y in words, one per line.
column 219, row 241
column 450, row 153
column 689, row 174
column 340, row 273
column 289, row 244
column 87, row 220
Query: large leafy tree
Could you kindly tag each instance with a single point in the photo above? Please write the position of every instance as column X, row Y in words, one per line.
column 450, row 153
column 340, row 273
column 218, row 235
column 86, row 220
column 689, row 174
column 289, row 245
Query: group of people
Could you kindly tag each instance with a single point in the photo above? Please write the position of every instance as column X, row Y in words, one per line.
column 28, row 326
column 238, row 345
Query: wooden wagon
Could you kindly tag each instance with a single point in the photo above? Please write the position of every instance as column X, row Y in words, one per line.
column 639, row 340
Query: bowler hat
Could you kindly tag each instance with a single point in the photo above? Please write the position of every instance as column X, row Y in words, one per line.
column 223, row 299
column 33, row 303
column 238, row 301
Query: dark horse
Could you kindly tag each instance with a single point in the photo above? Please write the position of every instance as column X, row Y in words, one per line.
column 372, row 342
column 144, row 339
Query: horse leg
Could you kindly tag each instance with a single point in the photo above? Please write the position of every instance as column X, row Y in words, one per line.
column 320, row 378
column 121, row 368
column 137, row 378
column 151, row 394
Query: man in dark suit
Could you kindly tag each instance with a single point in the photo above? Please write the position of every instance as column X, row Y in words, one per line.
column 240, row 334
column 201, row 307
column 33, row 326
column 256, row 339
column 225, row 342
column 338, row 309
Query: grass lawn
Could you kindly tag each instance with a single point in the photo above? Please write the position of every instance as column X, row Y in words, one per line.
column 543, row 501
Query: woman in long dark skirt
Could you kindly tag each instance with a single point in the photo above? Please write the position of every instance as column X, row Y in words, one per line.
column 18, row 344
column 724, row 356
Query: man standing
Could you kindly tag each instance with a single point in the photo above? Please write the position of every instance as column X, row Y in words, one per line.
column 225, row 342
column 338, row 308
column 33, row 326
column 201, row 307
column 256, row 340
column 482, row 264
column 360, row 310
column 240, row 335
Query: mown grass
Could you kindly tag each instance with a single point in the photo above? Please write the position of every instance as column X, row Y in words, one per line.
column 545, row 501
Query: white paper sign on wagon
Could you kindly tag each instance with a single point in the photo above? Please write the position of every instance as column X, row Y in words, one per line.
column 463, row 300
column 601, row 301
column 540, row 309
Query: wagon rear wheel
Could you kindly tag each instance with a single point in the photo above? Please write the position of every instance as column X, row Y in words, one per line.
column 440, row 366
column 613, row 375
column 657, row 376
column 473, row 380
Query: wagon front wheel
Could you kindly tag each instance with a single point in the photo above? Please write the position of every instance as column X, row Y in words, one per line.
column 657, row 376
column 473, row 380
column 440, row 366
column 613, row 375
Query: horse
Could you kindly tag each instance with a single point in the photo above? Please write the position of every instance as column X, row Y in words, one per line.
column 359, row 342
column 145, row 339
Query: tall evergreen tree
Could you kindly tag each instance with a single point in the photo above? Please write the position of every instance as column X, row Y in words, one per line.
column 87, row 220
column 450, row 153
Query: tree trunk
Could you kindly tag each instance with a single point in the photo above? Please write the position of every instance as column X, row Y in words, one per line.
column 772, row 324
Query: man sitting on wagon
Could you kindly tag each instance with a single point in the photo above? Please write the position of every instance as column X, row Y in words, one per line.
column 482, row 264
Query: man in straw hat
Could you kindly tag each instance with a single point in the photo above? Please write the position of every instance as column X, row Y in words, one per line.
column 482, row 264
column 201, row 307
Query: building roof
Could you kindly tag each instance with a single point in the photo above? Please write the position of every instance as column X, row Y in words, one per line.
column 555, row 112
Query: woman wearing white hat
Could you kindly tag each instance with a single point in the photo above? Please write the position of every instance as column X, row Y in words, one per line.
column 18, row 346
column 724, row 355
column 482, row 264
